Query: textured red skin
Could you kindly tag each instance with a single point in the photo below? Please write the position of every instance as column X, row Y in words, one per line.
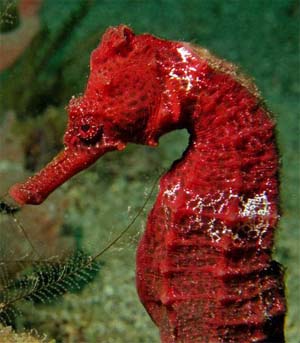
column 204, row 266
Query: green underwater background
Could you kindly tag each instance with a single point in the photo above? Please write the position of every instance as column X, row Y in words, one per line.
column 99, row 302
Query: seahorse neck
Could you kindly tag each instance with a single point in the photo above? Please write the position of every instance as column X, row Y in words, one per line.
column 230, row 165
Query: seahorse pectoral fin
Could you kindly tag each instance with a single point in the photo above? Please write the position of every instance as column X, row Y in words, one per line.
column 65, row 165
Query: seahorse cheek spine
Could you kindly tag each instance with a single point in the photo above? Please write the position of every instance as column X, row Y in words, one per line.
column 204, row 268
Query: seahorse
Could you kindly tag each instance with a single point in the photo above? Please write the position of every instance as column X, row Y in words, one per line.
column 204, row 264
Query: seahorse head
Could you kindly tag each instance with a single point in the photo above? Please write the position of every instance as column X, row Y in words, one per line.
column 121, row 103
column 121, row 95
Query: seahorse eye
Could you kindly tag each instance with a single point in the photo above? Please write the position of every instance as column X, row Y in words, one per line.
column 85, row 127
column 90, row 134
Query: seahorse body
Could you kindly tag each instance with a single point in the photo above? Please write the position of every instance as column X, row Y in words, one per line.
column 204, row 266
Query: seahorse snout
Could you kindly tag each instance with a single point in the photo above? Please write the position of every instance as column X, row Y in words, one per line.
column 66, row 164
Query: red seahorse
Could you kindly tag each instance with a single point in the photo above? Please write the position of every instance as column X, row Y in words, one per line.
column 204, row 266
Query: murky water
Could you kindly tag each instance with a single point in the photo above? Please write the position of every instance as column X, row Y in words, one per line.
column 48, row 280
